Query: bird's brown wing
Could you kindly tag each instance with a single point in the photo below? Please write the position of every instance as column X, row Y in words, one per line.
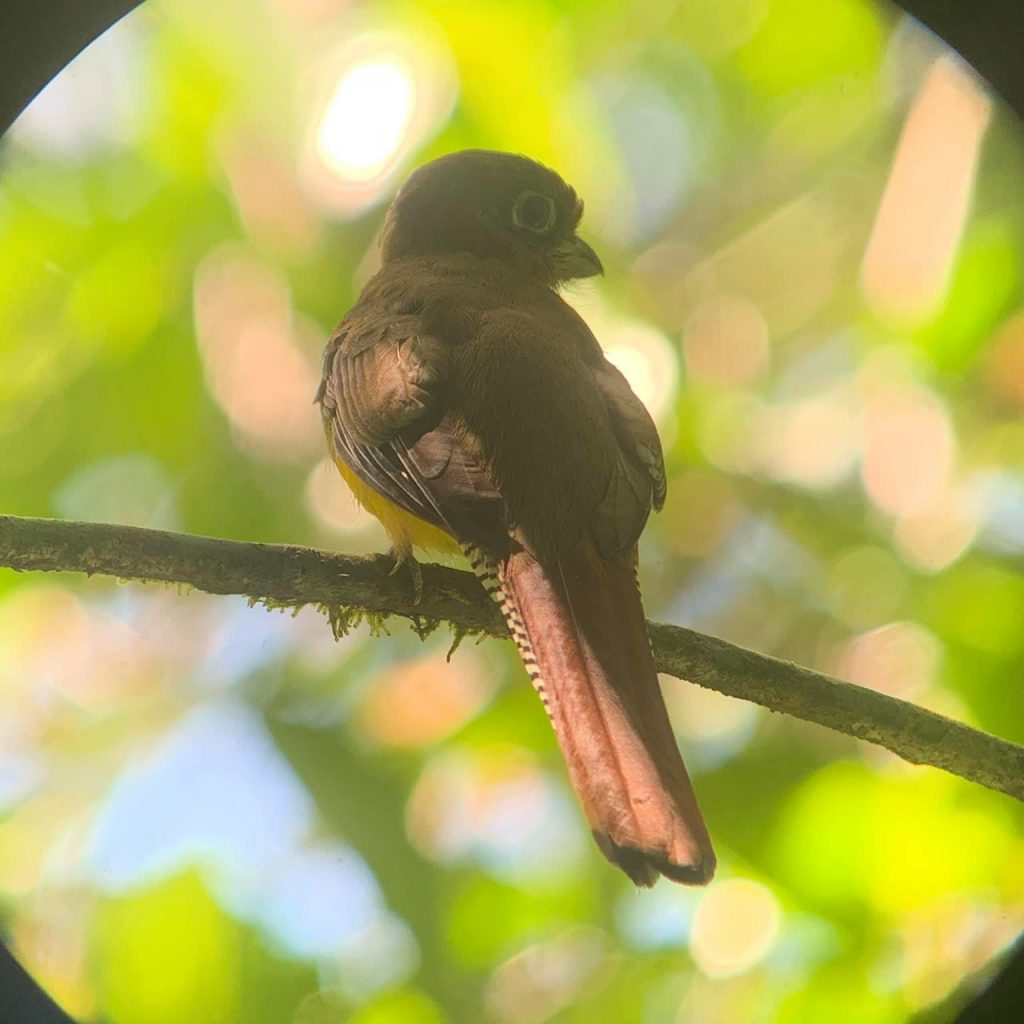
column 637, row 482
column 384, row 396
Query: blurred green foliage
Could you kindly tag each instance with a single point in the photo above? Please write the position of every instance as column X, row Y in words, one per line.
column 211, row 813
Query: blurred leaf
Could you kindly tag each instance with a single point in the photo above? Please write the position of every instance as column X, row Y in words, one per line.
column 118, row 299
column 834, row 995
column 405, row 1007
column 168, row 954
column 982, row 605
column 803, row 41
column 272, row 987
column 515, row 915
column 985, row 280
column 821, row 846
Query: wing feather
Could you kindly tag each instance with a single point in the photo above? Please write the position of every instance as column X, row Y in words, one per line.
column 384, row 399
column 637, row 481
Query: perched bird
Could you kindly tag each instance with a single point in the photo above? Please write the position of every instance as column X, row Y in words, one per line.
column 470, row 408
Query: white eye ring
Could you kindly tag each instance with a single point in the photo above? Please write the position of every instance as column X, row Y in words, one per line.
column 535, row 212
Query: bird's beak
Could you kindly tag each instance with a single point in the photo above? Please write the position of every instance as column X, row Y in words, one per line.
column 574, row 258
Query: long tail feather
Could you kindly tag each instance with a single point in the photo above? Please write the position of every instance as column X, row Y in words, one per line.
column 581, row 633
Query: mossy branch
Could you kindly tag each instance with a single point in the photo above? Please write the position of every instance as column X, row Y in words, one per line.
column 349, row 587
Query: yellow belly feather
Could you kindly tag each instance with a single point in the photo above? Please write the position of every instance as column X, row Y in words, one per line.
column 404, row 530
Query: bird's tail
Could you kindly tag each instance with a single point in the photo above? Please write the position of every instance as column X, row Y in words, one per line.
column 580, row 631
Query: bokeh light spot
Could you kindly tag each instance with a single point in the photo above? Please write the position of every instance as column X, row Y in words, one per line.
column 923, row 211
column 497, row 805
column 421, row 701
column 725, row 341
column 813, row 442
column 542, row 979
column 642, row 353
column 734, row 927
column 648, row 362
column 937, row 535
column 366, row 118
column 910, row 446
column 720, row 725
column 901, row 659
column 381, row 95
column 332, row 503
column 259, row 366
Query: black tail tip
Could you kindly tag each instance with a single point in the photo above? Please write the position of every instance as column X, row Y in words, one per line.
column 644, row 867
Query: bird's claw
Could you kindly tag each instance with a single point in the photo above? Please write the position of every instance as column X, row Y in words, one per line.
column 407, row 560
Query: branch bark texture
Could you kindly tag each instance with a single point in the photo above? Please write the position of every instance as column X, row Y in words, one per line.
column 294, row 576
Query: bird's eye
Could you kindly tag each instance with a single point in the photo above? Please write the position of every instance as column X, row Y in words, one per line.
column 535, row 212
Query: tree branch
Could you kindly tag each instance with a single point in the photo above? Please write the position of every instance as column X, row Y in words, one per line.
column 288, row 576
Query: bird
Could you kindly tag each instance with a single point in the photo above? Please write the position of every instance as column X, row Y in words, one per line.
column 471, row 409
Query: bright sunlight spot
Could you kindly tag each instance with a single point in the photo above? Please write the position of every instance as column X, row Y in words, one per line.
column 366, row 119
column 377, row 100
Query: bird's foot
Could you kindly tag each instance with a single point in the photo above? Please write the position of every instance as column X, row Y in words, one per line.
column 406, row 560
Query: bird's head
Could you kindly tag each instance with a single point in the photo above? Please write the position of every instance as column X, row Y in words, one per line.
column 491, row 204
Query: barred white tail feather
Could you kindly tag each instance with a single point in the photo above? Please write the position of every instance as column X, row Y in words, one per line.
column 486, row 570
